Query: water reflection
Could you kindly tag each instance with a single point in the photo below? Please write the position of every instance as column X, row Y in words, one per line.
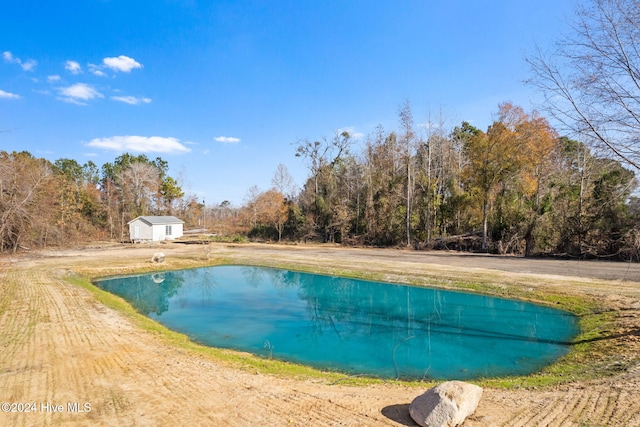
column 352, row 325
column 147, row 293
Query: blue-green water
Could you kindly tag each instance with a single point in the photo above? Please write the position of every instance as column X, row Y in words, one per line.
column 353, row 326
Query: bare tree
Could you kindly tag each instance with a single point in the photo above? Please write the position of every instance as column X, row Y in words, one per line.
column 142, row 181
column 323, row 154
column 407, row 139
column 283, row 181
column 23, row 181
column 591, row 82
column 250, row 202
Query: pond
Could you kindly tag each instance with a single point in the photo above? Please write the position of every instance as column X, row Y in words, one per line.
column 354, row 326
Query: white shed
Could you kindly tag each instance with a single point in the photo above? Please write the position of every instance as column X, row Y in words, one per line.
column 155, row 228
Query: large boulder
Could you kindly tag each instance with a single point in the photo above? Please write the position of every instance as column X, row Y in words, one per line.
column 158, row 257
column 446, row 405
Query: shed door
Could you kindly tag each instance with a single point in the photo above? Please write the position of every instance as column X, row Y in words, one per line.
column 136, row 231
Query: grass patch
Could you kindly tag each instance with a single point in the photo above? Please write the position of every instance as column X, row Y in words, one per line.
column 215, row 238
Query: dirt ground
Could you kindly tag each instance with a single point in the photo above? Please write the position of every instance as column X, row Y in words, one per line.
column 66, row 359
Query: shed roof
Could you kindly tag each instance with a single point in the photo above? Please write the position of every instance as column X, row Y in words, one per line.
column 158, row 220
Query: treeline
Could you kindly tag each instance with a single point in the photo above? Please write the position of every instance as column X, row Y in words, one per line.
column 63, row 203
column 516, row 188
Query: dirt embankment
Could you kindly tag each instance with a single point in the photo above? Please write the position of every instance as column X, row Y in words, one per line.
column 75, row 362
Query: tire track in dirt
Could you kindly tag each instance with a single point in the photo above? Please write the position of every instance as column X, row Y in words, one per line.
column 28, row 306
column 583, row 412
column 70, row 328
column 11, row 323
column 596, row 403
column 20, row 373
column 575, row 405
column 14, row 330
column 46, row 364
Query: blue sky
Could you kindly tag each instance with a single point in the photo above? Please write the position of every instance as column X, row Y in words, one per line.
column 223, row 89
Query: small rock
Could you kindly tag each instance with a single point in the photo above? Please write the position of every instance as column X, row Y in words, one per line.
column 158, row 257
column 446, row 405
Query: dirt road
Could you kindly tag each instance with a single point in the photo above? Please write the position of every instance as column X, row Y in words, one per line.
column 71, row 361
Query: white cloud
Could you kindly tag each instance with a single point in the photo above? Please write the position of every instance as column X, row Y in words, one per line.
column 79, row 92
column 53, row 78
column 28, row 65
column 73, row 101
column 227, row 139
column 8, row 95
column 95, row 69
column 132, row 100
column 73, row 67
column 121, row 63
column 144, row 144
